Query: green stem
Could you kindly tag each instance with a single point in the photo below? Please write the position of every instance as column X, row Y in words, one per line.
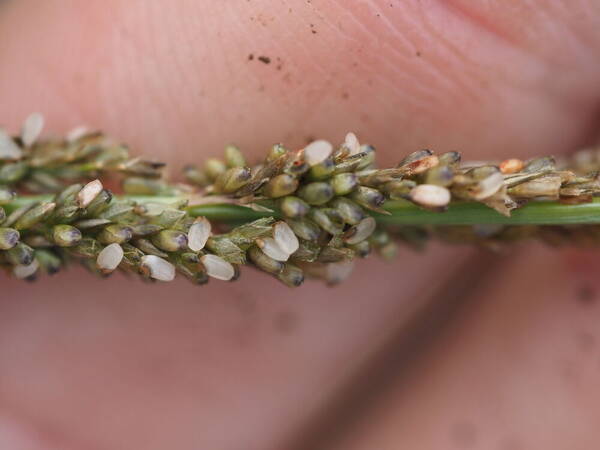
column 401, row 212
column 533, row 213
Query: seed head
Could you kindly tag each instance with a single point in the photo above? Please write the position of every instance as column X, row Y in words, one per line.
column 88, row 193
column 449, row 159
column 305, row 229
column 217, row 267
column 109, row 258
column 9, row 150
column 512, row 165
column 399, row 189
column 26, row 271
column 366, row 157
column 34, row 215
column 77, row 133
column 544, row 186
column 115, row 233
column 293, row 207
column 351, row 213
column 271, row 248
column 275, row 152
column 263, row 261
column 338, row 271
column 360, row 231
column 21, row 254
column 285, row 237
column 8, row 238
column 439, row 175
column 198, row 234
column 87, row 248
column 352, row 144
column 280, row 186
column 418, row 162
column 195, row 176
column 344, row 183
column 149, row 248
column 316, row 152
column 170, row 240
column 322, row 194
column 291, row 275
column 323, row 170
column 430, row 196
column 6, row 195
column 32, row 127
column 367, row 197
column 213, row 168
column 362, row 248
column 317, row 193
column 331, row 254
column 99, row 204
column 157, row 268
column 48, row 261
column 66, row 235
column 328, row 219
column 234, row 157
column 145, row 186
column 489, row 186
column 232, row 179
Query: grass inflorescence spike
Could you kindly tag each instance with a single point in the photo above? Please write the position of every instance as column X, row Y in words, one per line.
column 297, row 213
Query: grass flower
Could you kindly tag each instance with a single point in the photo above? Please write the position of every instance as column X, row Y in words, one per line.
column 304, row 213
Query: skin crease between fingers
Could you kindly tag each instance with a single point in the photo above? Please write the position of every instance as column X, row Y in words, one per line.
column 118, row 364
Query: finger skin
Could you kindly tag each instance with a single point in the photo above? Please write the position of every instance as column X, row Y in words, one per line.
column 103, row 364
column 169, row 364
column 403, row 75
column 518, row 370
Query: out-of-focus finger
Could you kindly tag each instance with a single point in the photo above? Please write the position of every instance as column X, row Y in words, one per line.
column 517, row 370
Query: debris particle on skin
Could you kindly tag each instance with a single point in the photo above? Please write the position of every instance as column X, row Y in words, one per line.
column 250, row 56
column 418, row 54
column 264, row 59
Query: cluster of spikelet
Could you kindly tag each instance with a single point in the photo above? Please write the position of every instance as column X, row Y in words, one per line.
column 318, row 205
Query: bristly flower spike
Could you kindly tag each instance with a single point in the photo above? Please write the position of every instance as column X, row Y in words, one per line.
column 296, row 214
